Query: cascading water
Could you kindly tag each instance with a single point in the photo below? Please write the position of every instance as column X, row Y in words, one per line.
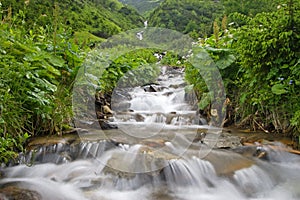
column 153, row 155
column 153, row 107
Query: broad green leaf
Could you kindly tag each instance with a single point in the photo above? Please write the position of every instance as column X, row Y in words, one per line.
column 285, row 66
column 31, row 57
column 2, row 120
column 278, row 89
column 225, row 61
column 205, row 101
column 50, row 68
column 49, row 86
column 23, row 47
column 55, row 60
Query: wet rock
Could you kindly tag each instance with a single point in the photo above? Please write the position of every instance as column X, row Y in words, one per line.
column 150, row 88
column 251, row 151
column 170, row 117
column 16, row 193
column 106, row 109
column 102, row 99
column 103, row 110
column 228, row 141
column 199, row 137
column 106, row 125
column 146, row 160
column 118, row 140
column 168, row 93
column 227, row 162
column 139, row 118
column 48, row 141
column 100, row 115
column 153, row 88
column 201, row 121
column 178, row 85
column 155, row 143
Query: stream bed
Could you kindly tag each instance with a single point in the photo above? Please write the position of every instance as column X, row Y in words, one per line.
column 161, row 150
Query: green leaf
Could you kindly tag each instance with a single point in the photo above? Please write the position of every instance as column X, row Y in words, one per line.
column 211, row 49
column 2, row 120
column 285, row 66
column 225, row 61
column 205, row 101
column 243, row 98
column 55, row 60
column 25, row 48
column 278, row 89
column 31, row 57
column 50, row 68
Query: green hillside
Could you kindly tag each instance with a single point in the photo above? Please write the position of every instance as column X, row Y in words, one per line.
column 187, row 16
column 143, row 6
column 103, row 18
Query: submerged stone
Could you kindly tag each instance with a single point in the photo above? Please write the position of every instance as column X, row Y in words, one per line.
column 18, row 193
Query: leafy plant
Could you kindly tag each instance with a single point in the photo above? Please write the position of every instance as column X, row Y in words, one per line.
column 219, row 52
column 10, row 146
column 131, row 64
column 37, row 69
column 268, row 51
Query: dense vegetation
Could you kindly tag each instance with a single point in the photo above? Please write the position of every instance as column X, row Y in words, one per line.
column 269, row 56
column 187, row 16
column 41, row 51
column 137, row 62
column 102, row 18
column 255, row 47
column 260, row 68
column 143, row 6
column 37, row 68
column 196, row 17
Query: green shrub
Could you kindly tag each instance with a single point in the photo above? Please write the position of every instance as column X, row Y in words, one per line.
column 268, row 52
column 37, row 70
column 138, row 62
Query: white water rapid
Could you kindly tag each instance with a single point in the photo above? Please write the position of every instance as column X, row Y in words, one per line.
column 153, row 155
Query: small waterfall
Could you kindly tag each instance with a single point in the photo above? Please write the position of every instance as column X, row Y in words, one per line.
column 151, row 110
column 160, row 151
column 192, row 172
column 135, row 171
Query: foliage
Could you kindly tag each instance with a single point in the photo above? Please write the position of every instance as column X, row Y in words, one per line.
column 144, row 6
column 131, row 64
column 263, row 85
column 10, row 145
column 37, row 69
column 249, row 8
column 102, row 18
column 218, row 47
column 174, row 60
column 86, row 39
column 188, row 16
column 42, row 49
column 239, row 10
column 268, row 51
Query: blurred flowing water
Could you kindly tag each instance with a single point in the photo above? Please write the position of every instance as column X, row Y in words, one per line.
column 152, row 156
